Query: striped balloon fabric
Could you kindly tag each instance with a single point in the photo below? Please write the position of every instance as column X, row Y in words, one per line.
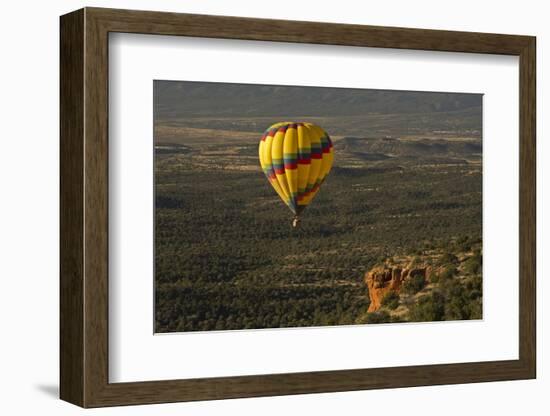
column 296, row 158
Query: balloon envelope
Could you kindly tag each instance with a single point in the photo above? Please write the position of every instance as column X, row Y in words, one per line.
column 296, row 158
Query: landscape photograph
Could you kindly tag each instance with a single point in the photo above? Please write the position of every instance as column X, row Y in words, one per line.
column 387, row 231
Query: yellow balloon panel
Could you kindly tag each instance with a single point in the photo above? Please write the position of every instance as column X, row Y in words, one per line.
column 296, row 158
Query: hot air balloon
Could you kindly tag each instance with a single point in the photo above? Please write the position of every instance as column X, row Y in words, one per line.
column 296, row 158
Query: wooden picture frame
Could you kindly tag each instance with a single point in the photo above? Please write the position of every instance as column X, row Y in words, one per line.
column 84, row 207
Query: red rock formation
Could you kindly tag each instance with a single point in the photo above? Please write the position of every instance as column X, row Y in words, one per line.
column 383, row 279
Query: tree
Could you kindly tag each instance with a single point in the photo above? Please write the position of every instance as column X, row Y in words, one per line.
column 448, row 273
column 473, row 264
column 379, row 317
column 414, row 284
column 390, row 300
column 448, row 258
column 428, row 308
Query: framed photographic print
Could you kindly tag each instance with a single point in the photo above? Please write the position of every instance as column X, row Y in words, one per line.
column 256, row 207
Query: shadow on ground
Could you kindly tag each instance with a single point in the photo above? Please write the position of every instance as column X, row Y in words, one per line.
column 51, row 390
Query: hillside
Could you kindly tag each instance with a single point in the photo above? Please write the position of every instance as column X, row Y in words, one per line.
column 433, row 285
column 203, row 99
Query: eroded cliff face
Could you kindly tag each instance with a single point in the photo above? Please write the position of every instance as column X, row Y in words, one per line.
column 429, row 285
column 390, row 277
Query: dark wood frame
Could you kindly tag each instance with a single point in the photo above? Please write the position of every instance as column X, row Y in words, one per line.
column 84, row 208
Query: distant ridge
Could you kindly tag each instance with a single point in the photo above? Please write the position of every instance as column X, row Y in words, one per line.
column 176, row 99
column 370, row 148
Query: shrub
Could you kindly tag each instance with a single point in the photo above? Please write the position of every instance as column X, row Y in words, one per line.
column 391, row 300
column 428, row 308
column 448, row 258
column 476, row 309
column 414, row 284
column 379, row 317
column 473, row 264
column 457, row 303
column 433, row 277
column 463, row 244
column 396, row 319
column 448, row 273
column 475, row 285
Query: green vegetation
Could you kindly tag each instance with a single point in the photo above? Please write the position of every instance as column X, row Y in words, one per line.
column 473, row 264
column 433, row 277
column 391, row 300
column 414, row 284
column 379, row 317
column 428, row 308
column 448, row 273
column 448, row 258
column 227, row 257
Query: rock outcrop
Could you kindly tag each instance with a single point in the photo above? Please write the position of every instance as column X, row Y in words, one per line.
column 390, row 277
